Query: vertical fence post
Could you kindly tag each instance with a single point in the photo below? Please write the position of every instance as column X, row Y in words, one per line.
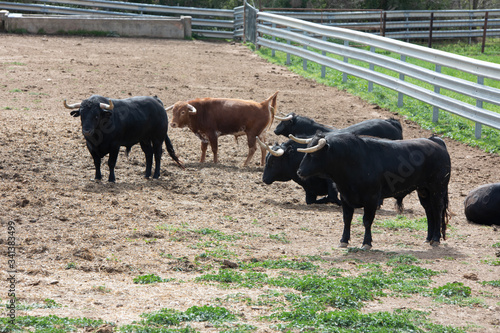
column 346, row 60
column 323, row 68
column 437, row 89
column 429, row 44
column 484, row 31
column 288, row 54
column 304, row 62
column 372, row 68
column 273, row 38
column 402, row 78
column 479, row 104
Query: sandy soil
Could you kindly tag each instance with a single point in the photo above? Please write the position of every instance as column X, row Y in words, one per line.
column 111, row 233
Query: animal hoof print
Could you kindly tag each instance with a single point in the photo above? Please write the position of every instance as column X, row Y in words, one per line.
column 366, row 247
column 343, row 245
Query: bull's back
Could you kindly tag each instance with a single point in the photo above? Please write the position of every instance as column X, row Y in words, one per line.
column 230, row 116
column 139, row 118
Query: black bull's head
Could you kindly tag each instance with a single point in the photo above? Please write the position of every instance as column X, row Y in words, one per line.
column 95, row 118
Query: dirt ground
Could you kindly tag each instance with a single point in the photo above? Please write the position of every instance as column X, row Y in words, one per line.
column 110, row 233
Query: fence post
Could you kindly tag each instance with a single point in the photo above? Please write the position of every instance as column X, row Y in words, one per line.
column 304, row 61
column 479, row 104
column 484, row 31
column 437, row 89
column 429, row 44
column 372, row 68
column 323, row 68
column 402, row 78
column 288, row 61
column 273, row 51
column 346, row 60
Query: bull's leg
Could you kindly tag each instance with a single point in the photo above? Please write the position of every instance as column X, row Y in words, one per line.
column 434, row 210
column 214, row 144
column 424, row 198
column 204, row 146
column 157, row 152
column 252, row 147
column 368, row 216
column 113, row 156
column 148, row 151
column 333, row 193
column 347, row 212
column 97, row 164
column 263, row 152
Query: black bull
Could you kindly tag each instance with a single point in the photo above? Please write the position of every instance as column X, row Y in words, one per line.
column 482, row 204
column 367, row 170
column 108, row 124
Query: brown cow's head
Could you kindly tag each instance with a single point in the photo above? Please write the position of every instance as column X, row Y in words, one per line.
column 181, row 112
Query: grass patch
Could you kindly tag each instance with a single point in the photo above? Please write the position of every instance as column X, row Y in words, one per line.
column 149, row 278
column 494, row 283
column 160, row 321
column 48, row 324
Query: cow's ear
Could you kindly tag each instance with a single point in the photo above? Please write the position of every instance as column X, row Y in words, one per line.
column 75, row 113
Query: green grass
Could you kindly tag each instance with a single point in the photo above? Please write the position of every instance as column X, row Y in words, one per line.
column 149, row 278
column 448, row 125
column 47, row 324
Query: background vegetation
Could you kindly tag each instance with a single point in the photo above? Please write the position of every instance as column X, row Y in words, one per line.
column 333, row 4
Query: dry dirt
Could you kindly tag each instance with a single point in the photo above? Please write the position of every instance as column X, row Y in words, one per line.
column 112, row 233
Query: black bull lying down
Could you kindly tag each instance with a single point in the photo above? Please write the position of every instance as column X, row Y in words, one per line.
column 108, row 124
column 367, row 170
column 482, row 204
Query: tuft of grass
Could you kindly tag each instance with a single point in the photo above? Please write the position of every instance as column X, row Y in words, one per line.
column 149, row 278
column 159, row 321
column 403, row 223
column 48, row 324
column 281, row 264
column 494, row 283
column 281, row 237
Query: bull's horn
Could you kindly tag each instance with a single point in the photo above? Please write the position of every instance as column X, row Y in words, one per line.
column 276, row 153
column 72, row 106
column 105, row 106
column 170, row 107
column 287, row 118
column 299, row 140
column 191, row 108
column 321, row 144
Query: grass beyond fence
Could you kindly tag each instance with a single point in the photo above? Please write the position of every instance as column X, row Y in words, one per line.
column 449, row 125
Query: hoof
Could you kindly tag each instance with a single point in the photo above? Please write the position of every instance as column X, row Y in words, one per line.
column 366, row 247
column 343, row 245
column 434, row 243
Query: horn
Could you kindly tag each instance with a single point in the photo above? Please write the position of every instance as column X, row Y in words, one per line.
column 276, row 153
column 321, row 144
column 72, row 106
column 192, row 109
column 109, row 106
column 299, row 140
column 170, row 107
column 287, row 118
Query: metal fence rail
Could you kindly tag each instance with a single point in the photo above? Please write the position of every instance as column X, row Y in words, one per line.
column 227, row 23
column 210, row 23
column 301, row 38
column 411, row 24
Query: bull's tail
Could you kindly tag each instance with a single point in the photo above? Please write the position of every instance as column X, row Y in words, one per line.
column 171, row 152
column 446, row 215
column 271, row 102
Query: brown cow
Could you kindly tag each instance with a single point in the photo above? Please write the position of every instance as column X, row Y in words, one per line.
column 210, row 118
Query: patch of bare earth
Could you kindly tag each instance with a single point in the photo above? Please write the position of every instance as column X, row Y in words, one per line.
column 111, row 233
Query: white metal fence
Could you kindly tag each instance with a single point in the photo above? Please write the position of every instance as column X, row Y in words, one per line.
column 310, row 42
